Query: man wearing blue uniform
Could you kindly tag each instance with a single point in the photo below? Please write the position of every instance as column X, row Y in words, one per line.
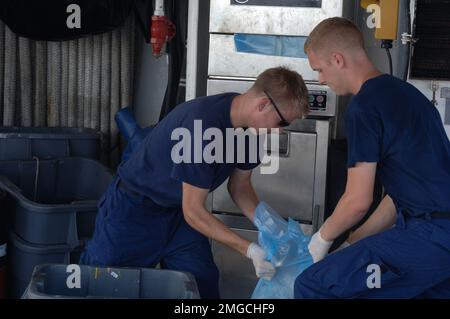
column 403, row 249
column 154, row 212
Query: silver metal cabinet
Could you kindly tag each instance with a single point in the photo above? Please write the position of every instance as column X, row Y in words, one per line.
column 290, row 191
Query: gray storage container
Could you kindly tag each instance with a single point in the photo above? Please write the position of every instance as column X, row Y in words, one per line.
column 50, row 282
column 24, row 256
column 54, row 201
column 22, row 143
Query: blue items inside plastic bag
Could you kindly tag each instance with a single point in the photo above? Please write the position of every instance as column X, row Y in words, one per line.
column 275, row 45
column 286, row 247
column 130, row 130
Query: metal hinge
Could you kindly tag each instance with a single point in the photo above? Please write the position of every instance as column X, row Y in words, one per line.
column 408, row 38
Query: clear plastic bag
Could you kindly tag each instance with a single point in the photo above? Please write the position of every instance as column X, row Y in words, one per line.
column 287, row 249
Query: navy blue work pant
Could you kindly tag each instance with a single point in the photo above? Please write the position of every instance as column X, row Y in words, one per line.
column 412, row 258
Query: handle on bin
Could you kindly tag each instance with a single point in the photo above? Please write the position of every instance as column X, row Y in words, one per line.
column 9, row 186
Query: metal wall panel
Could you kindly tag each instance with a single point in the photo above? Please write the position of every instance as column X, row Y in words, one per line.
column 276, row 20
column 224, row 60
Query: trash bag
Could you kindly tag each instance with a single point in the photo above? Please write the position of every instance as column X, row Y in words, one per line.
column 286, row 247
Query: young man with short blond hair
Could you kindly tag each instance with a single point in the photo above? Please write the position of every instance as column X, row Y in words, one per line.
column 154, row 212
column 403, row 249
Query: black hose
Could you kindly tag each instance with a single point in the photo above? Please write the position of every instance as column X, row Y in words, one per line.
column 388, row 52
column 387, row 44
column 176, row 49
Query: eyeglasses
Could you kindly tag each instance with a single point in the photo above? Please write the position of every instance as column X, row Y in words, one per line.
column 283, row 122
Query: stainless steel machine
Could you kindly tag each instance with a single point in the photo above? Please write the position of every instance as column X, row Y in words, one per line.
column 298, row 189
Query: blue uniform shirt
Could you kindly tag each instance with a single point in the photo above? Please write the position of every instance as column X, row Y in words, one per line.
column 151, row 171
column 392, row 123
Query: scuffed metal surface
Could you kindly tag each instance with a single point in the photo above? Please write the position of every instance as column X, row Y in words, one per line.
column 226, row 18
column 224, row 60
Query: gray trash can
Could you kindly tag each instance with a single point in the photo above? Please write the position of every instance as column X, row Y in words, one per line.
column 64, row 281
column 22, row 143
column 54, row 201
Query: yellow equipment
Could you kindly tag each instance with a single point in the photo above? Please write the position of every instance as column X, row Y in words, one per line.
column 388, row 14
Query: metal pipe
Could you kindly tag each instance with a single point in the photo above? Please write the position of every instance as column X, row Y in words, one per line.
column 159, row 8
column 192, row 42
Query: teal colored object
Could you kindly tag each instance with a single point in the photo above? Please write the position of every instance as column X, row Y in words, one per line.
column 275, row 45
column 287, row 249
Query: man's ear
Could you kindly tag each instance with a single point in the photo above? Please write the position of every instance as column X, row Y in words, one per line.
column 263, row 102
column 338, row 59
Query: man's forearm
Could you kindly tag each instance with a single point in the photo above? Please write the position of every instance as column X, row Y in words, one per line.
column 381, row 219
column 203, row 221
column 355, row 202
column 346, row 214
column 244, row 196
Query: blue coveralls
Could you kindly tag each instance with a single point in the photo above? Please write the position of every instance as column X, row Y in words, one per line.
column 391, row 123
column 140, row 221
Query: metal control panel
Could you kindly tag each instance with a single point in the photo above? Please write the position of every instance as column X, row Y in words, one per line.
column 318, row 100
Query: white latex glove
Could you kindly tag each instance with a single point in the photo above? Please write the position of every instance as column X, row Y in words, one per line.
column 263, row 268
column 318, row 247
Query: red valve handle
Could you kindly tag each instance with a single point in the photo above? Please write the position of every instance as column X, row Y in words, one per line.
column 162, row 31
